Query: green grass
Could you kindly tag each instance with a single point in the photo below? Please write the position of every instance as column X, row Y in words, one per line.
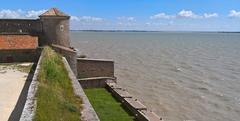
column 56, row 100
column 107, row 108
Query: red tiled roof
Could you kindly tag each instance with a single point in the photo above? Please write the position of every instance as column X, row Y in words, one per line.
column 18, row 42
column 54, row 12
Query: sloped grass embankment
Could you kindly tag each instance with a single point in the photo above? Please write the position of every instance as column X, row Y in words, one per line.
column 56, row 100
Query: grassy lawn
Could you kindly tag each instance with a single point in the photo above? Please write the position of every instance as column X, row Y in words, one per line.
column 107, row 108
column 55, row 97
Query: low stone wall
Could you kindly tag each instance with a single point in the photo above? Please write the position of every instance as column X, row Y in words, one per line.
column 69, row 54
column 95, row 82
column 19, row 55
column 88, row 113
column 30, row 105
column 88, row 68
column 139, row 110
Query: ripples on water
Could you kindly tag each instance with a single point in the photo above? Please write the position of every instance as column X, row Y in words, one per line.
column 180, row 76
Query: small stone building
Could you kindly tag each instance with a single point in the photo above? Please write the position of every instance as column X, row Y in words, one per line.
column 20, row 38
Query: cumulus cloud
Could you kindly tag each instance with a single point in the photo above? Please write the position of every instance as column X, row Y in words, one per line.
column 6, row 13
column 234, row 13
column 184, row 14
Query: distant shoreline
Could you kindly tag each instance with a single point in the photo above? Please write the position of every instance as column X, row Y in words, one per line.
column 154, row 31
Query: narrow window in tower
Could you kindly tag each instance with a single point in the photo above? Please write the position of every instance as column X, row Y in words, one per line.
column 62, row 28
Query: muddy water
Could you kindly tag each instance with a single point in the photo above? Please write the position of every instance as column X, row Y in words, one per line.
column 180, row 76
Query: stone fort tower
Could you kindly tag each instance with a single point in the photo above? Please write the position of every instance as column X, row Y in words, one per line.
column 55, row 28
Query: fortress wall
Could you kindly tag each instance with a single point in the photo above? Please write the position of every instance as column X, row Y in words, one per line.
column 69, row 54
column 19, row 55
column 88, row 68
column 20, row 26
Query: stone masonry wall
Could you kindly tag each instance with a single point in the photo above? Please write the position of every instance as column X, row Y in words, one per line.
column 20, row 26
column 19, row 55
column 55, row 31
column 88, row 68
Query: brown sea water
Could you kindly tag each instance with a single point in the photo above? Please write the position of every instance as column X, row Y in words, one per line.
column 181, row 76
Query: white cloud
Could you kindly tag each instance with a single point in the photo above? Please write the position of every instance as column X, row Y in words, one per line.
column 126, row 21
column 148, row 23
column 162, row 16
column 210, row 15
column 34, row 14
column 87, row 19
column 184, row 14
column 124, row 18
column 126, row 24
column 74, row 18
column 90, row 19
column 6, row 13
column 188, row 14
column 234, row 13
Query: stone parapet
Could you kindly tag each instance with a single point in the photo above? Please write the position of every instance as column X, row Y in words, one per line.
column 88, row 113
column 69, row 54
column 88, row 68
column 31, row 102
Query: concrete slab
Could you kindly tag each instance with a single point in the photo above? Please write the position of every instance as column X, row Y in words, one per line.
column 151, row 116
column 114, row 86
column 135, row 104
column 122, row 93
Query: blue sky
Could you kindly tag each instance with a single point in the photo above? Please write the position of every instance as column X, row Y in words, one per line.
column 163, row 15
